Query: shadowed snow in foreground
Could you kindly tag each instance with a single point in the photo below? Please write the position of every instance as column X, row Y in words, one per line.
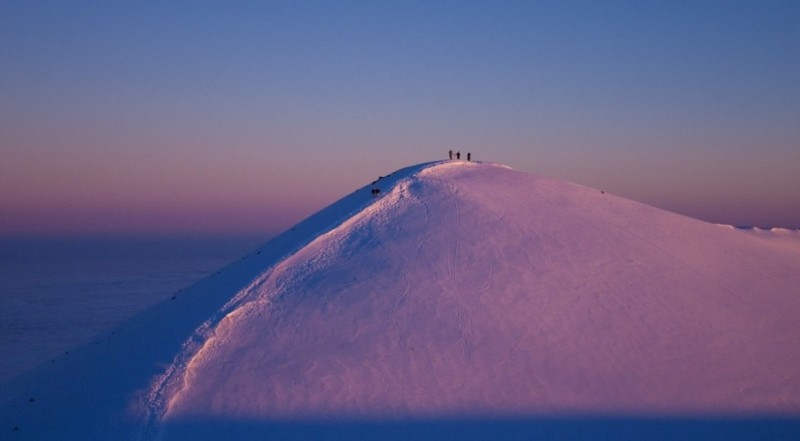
column 462, row 300
column 594, row 428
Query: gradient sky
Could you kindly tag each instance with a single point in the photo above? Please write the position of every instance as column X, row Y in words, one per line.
column 154, row 116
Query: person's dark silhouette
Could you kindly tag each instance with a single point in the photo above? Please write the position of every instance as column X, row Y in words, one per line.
column 469, row 156
column 451, row 154
column 458, row 155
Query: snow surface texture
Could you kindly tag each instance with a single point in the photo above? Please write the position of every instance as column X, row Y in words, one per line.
column 464, row 300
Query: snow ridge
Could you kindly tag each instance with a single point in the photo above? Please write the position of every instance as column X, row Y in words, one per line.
column 471, row 289
column 167, row 386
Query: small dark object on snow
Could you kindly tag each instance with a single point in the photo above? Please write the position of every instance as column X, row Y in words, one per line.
column 376, row 191
column 31, row 400
column 451, row 154
column 458, row 155
column 469, row 156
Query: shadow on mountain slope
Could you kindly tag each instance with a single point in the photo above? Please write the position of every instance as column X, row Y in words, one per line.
column 556, row 427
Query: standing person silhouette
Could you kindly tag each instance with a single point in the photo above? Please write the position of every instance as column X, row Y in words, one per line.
column 458, row 155
column 451, row 154
column 469, row 156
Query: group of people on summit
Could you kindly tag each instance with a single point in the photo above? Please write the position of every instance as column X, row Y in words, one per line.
column 377, row 191
column 458, row 155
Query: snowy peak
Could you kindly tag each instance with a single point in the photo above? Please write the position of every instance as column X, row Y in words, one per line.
column 468, row 288
column 447, row 291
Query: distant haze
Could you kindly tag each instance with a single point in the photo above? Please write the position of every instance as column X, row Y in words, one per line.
column 153, row 117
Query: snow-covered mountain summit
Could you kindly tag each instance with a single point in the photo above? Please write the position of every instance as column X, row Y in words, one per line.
column 460, row 289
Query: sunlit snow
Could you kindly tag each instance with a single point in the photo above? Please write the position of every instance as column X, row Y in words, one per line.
column 460, row 292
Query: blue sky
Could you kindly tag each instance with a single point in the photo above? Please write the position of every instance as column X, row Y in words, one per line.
column 248, row 116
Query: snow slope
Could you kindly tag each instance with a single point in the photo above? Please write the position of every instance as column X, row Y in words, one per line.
column 466, row 299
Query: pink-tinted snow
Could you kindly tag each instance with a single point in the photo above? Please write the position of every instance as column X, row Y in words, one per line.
column 462, row 290
column 472, row 288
